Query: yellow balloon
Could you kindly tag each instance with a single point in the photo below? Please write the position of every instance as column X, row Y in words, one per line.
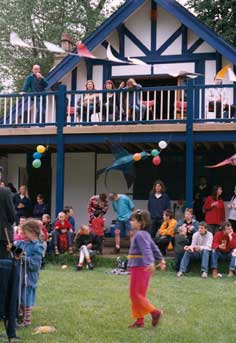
column 41, row 149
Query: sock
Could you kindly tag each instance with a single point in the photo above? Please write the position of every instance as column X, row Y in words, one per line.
column 140, row 321
column 28, row 315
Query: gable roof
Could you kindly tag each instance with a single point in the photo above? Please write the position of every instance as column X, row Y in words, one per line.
column 118, row 17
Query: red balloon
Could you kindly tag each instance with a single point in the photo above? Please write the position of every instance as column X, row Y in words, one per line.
column 156, row 160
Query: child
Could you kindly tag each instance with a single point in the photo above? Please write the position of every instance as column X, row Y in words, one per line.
column 181, row 240
column 87, row 242
column 18, row 234
column 166, row 232
column 98, row 228
column 32, row 256
column 62, row 236
column 142, row 255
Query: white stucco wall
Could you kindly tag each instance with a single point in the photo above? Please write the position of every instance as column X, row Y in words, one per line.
column 15, row 161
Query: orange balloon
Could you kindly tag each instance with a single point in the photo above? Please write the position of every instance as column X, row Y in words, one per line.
column 137, row 157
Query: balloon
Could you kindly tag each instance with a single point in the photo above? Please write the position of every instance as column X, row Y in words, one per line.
column 155, row 152
column 137, row 156
column 36, row 163
column 41, row 149
column 156, row 160
column 37, row 155
column 162, row 144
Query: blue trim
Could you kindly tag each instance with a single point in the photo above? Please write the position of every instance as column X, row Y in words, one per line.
column 89, row 67
column 199, row 68
column 153, row 28
column 218, row 62
column 28, row 140
column 60, row 164
column 136, row 41
column 195, row 45
column 189, row 147
column 120, row 31
column 184, row 40
column 200, row 29
column 73, row 84
column 170, row 40
column 234, row 68
column 152, row 59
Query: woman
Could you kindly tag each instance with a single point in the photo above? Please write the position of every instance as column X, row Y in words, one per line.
column 40, row 207
column 232, row 210
column 158, row 202
column 89, row 103
column 22, row 203
column 110, row 102
column 133, row 106
column 214, row 210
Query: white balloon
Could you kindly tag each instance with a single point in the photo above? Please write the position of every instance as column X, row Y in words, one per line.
column 162, row 144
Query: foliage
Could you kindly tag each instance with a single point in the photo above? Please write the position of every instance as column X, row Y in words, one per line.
column 42, row 20
column 94, row 307
column 218, row 15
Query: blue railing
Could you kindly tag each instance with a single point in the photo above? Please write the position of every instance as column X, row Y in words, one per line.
column 120, row 106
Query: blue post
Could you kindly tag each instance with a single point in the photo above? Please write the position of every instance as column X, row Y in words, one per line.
column 189, row 146
column 60, row 115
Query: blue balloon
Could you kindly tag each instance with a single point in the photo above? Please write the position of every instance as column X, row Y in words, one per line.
column 155, row 152
column 37, row 155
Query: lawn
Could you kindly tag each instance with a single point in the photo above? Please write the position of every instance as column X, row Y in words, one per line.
column 93, row 307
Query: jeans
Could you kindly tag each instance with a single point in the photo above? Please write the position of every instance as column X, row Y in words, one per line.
column 9, row 279
column 178, row 259
column 217, row 254
column 201, row 255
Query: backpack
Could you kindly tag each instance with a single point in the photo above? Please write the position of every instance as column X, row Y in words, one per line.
column 122, row 262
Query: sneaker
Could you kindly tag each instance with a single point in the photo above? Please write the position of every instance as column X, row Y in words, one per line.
column 116, row 250
column 156, row 316
column 56, row 251
column 136, row 325
column 90, row 266
column 179, row 274
column 204, row 275
column 231, row 273
column 79, row 268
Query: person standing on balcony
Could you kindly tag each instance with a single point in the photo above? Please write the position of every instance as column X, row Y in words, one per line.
column 123, row 207
column 158, row 202
column 88, row 103
column 110, row 102
column 36, row 83
column 200, row 193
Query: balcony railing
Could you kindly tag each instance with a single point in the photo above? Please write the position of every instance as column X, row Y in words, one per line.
column 121, row 106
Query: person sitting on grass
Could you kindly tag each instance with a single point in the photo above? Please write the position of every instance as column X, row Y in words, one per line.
column 98, row 227
column 87, row 243
column 223, row 246
column 189, row 222
column 181, row 241
column 166, row 232
column 62, row 235
column 198, row 250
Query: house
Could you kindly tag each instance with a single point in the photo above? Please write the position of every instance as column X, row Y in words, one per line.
column 166, row 38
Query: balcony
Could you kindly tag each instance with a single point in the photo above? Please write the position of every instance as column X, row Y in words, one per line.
column 122, row 110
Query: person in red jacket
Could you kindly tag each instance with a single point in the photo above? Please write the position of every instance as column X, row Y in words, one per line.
column 214, row 210
column 62, row 235
column 98, row 227
column 224, row 243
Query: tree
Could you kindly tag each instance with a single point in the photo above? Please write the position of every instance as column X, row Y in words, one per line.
column 218, row 15
column 44, row 20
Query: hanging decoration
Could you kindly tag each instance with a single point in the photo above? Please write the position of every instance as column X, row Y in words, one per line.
column 37, row 155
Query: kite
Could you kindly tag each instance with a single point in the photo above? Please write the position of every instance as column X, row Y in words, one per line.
column 124, row 161
column 231, row 161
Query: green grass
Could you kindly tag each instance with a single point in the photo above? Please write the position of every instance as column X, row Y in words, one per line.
column 93, row 307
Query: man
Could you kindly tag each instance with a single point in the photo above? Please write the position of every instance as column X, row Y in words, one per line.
column 123, row 207
column 35, row 83
column 223, row 246
column 8, row 265
column 198, row 250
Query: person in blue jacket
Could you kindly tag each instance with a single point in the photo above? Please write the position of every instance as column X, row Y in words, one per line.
column 158, row 202
column 34, row 83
